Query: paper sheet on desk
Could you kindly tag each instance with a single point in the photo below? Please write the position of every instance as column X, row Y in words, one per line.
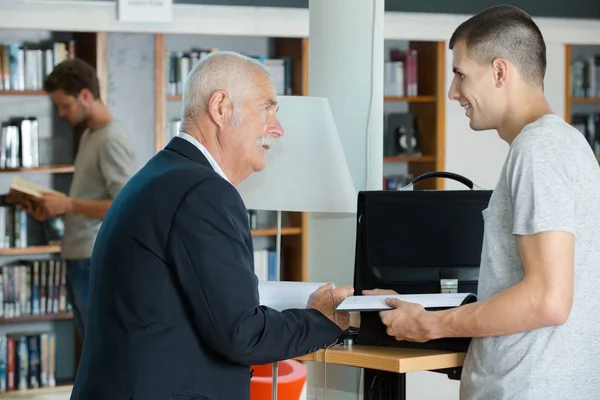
column 430, row 300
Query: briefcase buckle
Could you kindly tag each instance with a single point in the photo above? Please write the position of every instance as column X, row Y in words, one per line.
column 449, row 285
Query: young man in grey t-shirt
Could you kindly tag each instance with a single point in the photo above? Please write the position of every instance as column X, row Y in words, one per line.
column 105, row 161
column 535, row 325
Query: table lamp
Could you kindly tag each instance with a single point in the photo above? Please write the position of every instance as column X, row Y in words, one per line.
column 306, row 171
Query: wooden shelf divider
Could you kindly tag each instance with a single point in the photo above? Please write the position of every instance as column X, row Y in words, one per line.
column 411, row 159
column 19, row 251
column 411, row 99
column 63, row 316
column 22, row 93
column 53, row 169
column 273, row 232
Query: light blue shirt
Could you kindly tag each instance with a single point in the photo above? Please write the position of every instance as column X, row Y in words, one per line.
column 208, row 156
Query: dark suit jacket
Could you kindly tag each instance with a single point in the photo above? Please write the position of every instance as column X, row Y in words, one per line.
column 174, row 309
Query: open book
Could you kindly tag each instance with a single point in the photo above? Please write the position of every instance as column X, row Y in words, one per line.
column 25, row 187
column 431, row 301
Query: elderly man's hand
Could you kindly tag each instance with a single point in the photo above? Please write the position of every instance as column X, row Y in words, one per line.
column 326, row 299
column 407, row 321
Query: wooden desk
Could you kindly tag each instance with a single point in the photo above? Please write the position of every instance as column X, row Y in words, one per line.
column 389, row 363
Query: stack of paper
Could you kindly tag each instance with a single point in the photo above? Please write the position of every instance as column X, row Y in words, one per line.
column 428, row 301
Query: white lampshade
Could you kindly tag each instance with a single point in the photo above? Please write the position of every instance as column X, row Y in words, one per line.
column 306, row 170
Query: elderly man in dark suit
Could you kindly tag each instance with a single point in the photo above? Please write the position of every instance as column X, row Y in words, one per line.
column 174, row 310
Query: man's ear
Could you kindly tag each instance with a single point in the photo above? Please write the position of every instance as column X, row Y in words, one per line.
column 85, row 95
column 500, row 68
column 218, row 107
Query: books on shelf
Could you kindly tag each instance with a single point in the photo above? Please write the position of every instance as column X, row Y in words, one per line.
column 400, row 74
column 19, row 146
column 179, row 64
column 27, row 361
column 35, row 287
column 24, row 67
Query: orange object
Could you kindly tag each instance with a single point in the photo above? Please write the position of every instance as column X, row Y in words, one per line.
column 291, row 376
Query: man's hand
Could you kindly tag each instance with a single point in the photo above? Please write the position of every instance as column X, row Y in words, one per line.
column 54, row 205
column 407, row 321
column 325, row 299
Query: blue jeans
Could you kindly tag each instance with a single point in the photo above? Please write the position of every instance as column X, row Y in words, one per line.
column 78, row 291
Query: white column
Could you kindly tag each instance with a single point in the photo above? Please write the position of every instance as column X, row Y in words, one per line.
column 346, row 66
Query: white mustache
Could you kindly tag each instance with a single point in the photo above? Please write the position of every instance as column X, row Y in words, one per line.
column 266, row 140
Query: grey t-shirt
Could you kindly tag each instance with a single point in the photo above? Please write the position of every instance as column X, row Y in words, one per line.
column 105, row 161
column 550, row 181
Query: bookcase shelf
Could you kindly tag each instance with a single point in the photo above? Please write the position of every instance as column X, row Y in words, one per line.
column 20, row 251
column 51, row 169
column 582, row 91
column 585, row 100
column 65, row 316
column 426, row 109
column 411, row 99
column 273, row 232
column 410, row 159
column 22, row 93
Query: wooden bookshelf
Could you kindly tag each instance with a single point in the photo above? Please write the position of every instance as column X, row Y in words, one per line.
column 580, row 105
column 23, row 251
column 91, row 47
column 428, row 109
column 51, row 169
column 64, row 316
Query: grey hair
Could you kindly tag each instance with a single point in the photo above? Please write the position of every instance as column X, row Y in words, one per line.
column 223, row 70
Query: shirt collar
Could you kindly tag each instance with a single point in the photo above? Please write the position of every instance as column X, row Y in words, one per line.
column 208, row 156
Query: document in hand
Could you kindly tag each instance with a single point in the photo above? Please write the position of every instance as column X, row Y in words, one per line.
column 30, row 188
column 430, row 301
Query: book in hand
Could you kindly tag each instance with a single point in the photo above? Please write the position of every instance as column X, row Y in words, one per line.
column 28, row 188
column 429, row 301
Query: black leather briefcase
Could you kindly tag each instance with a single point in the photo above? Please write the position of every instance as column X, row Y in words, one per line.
column 418, row 241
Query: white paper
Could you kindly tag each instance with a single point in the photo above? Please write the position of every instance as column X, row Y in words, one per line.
column 283, row 295
column 145, row 10
column 377, row 302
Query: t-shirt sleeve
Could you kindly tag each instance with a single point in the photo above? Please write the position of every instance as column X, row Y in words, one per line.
column 117, row 163
column 541, row 185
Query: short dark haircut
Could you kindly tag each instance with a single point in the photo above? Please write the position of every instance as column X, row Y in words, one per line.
column 507, row 32
column 72, row 76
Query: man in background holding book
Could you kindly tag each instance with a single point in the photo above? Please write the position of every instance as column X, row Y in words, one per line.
column 104, row 162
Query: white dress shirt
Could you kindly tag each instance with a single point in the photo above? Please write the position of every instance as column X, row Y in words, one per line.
column 208, row 156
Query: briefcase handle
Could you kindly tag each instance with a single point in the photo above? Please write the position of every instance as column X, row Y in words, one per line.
column 441, row 174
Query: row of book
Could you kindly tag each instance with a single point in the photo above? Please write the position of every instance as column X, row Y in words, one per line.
column 14, row 224
column 25, row 66
column 589, row 126
column 585, row 77
column 401, row 73
column 19, row 143
column 35, row 287
column 27, row 361
column 179, row 64
column 265, row 264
